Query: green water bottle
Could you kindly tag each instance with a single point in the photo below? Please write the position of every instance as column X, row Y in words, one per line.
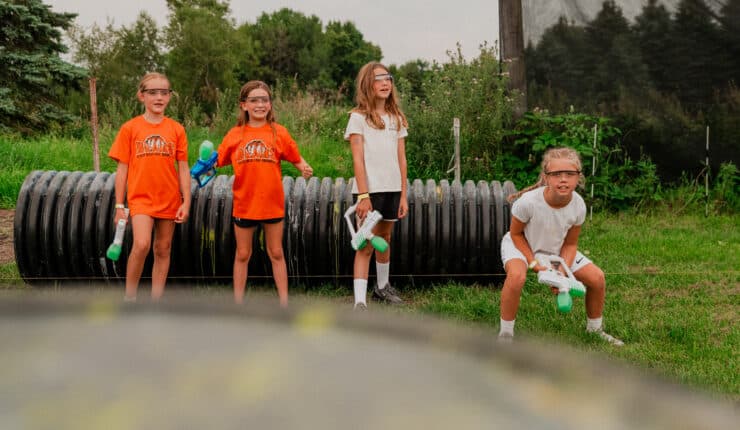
column 114, row 250
column 564, row 302
column 379, row 243
column 205, row 150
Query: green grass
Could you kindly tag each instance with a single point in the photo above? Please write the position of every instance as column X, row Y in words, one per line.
column 673, row 290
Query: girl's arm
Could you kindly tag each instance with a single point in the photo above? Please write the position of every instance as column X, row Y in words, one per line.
column 403, row 207
column 304, row 168
column 120, row 189
column 183, row 172
column 570, row 245
column 517, row 236
column 358, row 163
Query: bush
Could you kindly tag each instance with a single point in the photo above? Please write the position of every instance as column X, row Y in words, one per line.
column 475, row 93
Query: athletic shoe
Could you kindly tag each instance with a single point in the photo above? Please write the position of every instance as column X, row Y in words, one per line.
column 361, row 307
column 607, row 337
column 387, row 294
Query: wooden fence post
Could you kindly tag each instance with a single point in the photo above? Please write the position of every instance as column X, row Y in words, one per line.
column 94, row 124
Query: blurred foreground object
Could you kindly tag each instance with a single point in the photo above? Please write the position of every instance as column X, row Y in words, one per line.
column 90, row 361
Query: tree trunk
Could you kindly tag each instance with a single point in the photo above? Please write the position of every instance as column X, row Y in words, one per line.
column 511, row 34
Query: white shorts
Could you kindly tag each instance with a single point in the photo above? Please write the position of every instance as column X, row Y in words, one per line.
column 509, row 251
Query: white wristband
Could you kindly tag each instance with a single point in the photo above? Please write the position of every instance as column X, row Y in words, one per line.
column 534, row 263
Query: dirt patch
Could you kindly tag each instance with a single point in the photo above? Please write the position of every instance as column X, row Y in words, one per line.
column 7, row 255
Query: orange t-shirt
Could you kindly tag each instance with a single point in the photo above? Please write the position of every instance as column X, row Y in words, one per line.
column 255, row 154
column 151, row 151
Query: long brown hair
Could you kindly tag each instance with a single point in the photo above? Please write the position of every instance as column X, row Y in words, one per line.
column 365, row 97
column 247, row 88
column 551, row 154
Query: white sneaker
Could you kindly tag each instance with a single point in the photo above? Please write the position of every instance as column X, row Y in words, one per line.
column 607, row 337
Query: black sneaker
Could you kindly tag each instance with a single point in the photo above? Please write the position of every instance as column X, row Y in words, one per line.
column 387, row 294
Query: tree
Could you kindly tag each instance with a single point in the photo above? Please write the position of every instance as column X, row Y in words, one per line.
column 558, row 66
column 203, row 52
column 613, row 56
column 33, row 77
column 290, row 46
column 118, row 58
column 348, row 52
column 730, row 35
column 696, row 54
column 652, row 30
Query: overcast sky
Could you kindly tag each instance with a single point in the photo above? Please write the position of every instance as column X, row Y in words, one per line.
column 404, row 29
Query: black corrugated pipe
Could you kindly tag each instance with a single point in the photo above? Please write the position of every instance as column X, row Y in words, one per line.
column 64, row 224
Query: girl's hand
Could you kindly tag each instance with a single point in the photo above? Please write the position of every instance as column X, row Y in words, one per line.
column 363, row 207
column 307, row 171
column 120, row 214
column 403, row 208
column 183, row 212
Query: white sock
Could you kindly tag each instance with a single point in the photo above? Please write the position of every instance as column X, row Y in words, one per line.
column 593, row 324
column 383, row 270
column 360, row 290
column 507, row 327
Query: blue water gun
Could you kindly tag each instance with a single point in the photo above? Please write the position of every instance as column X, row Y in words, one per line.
column 204, row 168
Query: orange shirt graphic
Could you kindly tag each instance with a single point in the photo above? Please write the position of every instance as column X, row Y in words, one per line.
column 151, row 151
column 255, row 154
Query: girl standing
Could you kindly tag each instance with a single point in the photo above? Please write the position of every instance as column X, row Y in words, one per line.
column 146, row 149
column 547, row 218
column 255, row 148
column 376, row 132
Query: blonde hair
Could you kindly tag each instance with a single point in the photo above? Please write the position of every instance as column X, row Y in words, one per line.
column 244, row 93
column 562, row 153
column 152, row 75
column 365, row 97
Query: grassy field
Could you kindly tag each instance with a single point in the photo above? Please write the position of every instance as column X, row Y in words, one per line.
column 673, row 282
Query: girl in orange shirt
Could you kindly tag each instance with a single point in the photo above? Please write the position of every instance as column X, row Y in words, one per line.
column 255, row 147
column 147, row 148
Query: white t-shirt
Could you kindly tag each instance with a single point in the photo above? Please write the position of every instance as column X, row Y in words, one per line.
column 546, row 227
column 381, row 152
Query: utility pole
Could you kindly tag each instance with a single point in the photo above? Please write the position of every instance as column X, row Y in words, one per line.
column 511, row 33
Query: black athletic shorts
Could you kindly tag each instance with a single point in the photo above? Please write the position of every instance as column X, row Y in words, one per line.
column 249, row 223
column 386, row 203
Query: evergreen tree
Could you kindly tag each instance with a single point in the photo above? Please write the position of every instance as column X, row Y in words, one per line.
column 615, row 64
column 730, row 35
column 696, row 54
column 652, row 30
column 558, row 65
column 33, row 77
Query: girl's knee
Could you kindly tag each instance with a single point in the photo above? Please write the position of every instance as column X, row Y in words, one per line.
column 162, row 249
column 242, row 255
column 597, row 279
column 141, row 246
column 275, row 253
column 515, row 280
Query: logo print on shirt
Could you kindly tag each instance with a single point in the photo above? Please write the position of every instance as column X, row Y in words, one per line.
column 154, row 145
column 255, row 150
